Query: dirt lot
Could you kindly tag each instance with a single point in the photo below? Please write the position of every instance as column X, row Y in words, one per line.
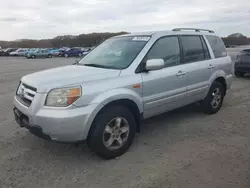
column 184, row 148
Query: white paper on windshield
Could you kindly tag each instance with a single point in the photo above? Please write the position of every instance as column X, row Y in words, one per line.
column 141, row 38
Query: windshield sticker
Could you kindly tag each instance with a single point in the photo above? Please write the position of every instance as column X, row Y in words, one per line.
column 141, row 38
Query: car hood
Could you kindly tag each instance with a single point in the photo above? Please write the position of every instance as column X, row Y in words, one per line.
column 72, row 75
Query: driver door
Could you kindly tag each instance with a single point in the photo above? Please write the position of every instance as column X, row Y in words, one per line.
column 164, row 89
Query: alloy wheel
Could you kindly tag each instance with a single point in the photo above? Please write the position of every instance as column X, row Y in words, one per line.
column 116, row 133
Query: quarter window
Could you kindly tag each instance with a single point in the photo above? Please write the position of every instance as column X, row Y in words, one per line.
column 217, row 46
column 192, row 49
column 167, row 49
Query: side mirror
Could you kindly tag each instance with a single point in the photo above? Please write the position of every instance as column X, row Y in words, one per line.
column 154, row 64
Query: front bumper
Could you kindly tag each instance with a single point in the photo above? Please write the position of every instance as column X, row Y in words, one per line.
column 62, row 125
column 23, row 121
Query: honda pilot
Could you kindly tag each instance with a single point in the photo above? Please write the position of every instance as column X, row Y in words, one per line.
column 104, row 97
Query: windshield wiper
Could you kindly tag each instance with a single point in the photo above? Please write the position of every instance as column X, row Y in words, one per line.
column 96, row 65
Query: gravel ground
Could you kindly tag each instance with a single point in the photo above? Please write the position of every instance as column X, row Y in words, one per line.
column 183, row 148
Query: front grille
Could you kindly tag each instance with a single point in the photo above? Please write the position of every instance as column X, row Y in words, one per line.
column 25, row 94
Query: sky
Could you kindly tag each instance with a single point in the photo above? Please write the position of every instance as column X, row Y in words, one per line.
column 42, row 19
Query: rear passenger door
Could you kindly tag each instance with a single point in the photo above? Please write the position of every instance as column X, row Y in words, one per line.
column 221, row 60
column 198, row 65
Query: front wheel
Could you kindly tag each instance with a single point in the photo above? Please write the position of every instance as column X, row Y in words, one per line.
column 214, row 98
column 79, row 54
column 112, row 132
column 66, row 55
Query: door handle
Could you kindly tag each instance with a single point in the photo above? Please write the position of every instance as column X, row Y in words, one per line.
column 211, row 66
column 180, row 73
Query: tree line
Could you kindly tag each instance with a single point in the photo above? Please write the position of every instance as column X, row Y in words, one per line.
column 233, row 41
column 93, row 39
column 83, row 40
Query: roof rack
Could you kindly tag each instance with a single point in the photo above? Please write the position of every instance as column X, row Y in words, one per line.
column 192, row 29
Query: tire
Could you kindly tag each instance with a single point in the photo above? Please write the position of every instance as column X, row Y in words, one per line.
column 66, row 55
column 98, row 137
column 79, row 54
column 212, row 105
column 239, row 74
column 49, row 56
column 33, row 57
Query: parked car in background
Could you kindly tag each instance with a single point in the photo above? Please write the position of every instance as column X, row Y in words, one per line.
column 40, row 53
column 7, row 51
column 15, row 53
column 242, row 63
column 30, row 50
column 55, row 52
column 85, row 51
column 19, row 52
column 61, row 51
column 72, row 52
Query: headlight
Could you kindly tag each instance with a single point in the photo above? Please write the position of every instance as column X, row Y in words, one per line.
column 63, row 97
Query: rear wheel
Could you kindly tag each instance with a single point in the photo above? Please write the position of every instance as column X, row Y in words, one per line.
column 50, row 56
column 79, row 54
column 112, row 132
column 214, row 99
column 239, row 74
column 33, row 56
column 66, row 55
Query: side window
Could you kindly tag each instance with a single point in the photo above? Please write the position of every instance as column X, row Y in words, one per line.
column 192, row 49
column 167, row 49
column 217, row 46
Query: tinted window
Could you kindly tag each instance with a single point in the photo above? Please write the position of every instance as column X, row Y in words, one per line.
column 192, row 49
column 217, row 46
column 244, row 57
column 167, row 49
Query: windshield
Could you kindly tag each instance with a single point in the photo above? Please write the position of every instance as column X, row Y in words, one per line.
column 115, row 53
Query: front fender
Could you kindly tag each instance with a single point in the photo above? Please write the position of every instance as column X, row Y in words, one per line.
column 117, row 94
column 110, row 96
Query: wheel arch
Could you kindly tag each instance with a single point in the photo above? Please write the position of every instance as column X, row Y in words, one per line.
column 222, row 80
column 128, row 103
column 219, row 76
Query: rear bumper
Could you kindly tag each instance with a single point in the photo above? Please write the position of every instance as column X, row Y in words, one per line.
column 242, row 69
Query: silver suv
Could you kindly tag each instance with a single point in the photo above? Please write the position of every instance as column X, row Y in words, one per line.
column 103, row 98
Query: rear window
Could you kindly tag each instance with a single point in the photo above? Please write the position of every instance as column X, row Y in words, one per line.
column 217, row 46
column 244, row 57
